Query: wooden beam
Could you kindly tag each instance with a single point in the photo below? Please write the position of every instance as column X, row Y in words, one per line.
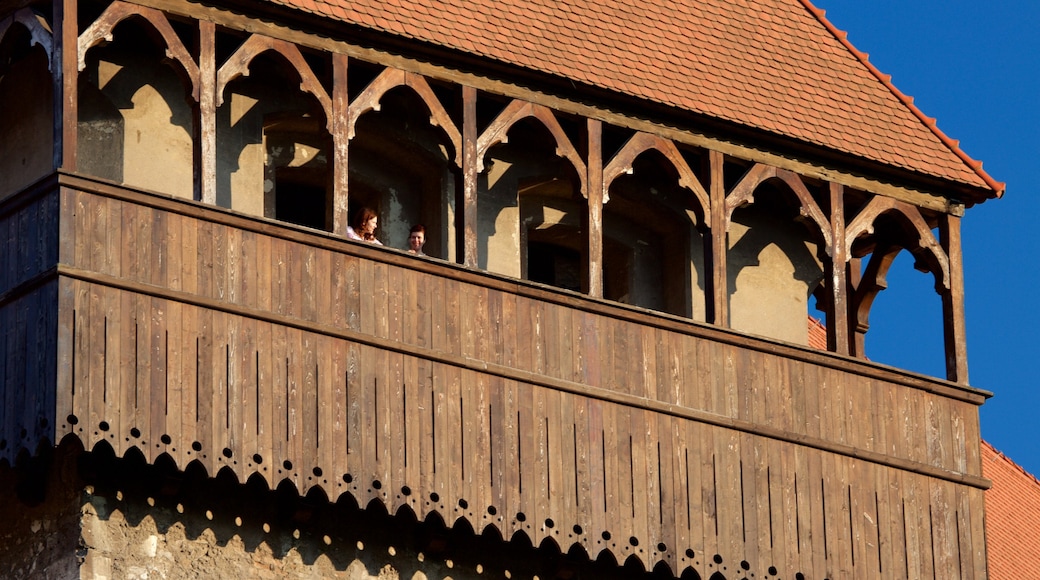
column 340, row 144
column 718, row 303
column 65, row 72
column 838, row 313
column 206, row 144
column 469, row 176
column 955, row 334
column 594, row 215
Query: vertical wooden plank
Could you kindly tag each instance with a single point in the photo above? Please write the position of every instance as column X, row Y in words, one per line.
column 187, row 358
column 307, row 398
column 280, row 383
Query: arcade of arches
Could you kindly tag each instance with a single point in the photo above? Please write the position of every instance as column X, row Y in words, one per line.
column 281, row 131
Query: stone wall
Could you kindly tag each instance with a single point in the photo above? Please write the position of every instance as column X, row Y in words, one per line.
column 94, row 516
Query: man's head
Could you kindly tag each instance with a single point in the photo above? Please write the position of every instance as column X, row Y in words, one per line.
column 416, row 238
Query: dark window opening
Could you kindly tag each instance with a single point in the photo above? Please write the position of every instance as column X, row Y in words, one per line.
column 554, row 265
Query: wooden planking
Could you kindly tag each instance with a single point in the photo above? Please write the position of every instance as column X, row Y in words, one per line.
column 264, row 272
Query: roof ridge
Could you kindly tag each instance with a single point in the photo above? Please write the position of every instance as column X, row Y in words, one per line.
column 1010, row 461
column 953, row 144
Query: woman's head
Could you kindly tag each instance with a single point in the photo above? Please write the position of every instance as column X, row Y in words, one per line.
column 365, row 222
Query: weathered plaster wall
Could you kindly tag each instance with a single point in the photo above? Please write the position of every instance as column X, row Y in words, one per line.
column 772, row 271
column 26, row 123
column 135, row 118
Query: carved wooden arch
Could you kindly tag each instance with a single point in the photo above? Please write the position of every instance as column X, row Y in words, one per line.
column 390, row 78
column 101, row 30
column 516, row 111
column 863, row 224
column 238, row 65
column 39, row 31
column 744, row 193
column 643, row 142
column 873, row 282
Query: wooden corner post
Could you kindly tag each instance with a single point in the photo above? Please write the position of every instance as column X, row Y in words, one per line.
column 65, row 73
column 955, row 334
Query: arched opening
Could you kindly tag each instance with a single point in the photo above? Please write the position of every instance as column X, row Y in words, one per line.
column 135, row 115
column 530, row 209
column 273, row 146
column 774, row 265
column 653, row 250
column 26, row 124
column 402, row 167
column 905, row 322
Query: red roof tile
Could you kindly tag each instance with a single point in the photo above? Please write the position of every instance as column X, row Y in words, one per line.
column 774, row 65
column 1012, row 518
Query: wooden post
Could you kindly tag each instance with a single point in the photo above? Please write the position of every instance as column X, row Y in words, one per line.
column 955, row 334
column 206, row 144
column 718, row 304
column 838, row 313
column 469, row 176
column 340, row 143
column 594, row 215
column 65, row 73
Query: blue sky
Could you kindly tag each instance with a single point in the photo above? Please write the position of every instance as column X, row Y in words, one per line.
column 975, row 66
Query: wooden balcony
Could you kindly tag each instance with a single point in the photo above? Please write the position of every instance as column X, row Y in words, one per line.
column 176, row 328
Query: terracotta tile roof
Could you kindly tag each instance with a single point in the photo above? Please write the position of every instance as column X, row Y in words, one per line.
column 817, row 334
column 774, row 65
column 1012, row 518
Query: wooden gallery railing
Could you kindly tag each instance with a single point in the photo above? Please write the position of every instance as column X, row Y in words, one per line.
column 266, row 350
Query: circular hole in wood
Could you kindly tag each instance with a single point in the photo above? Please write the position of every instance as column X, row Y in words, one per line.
column 744, row 564
column 634, row 541
column 102, row 425
column 492, row 510
column 196, row 446
column 316, row 471
column 166, row 439
column 463, row 503
column 348, row 478
column 376, row 484
column 605, row 535
column 772, row 570
column 661, row 547
column 435, row 497
column 227, row 452
column 520, row 517
column 257, row 458
column 717, row 559
column 72, row 419
column 577, row 529
column 405, row 490
column 135, row 432
column 287, row 465
column 549, row 523
column 689, row 553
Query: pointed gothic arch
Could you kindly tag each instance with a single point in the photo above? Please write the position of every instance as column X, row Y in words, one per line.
column 369, row 100
column 101, row 30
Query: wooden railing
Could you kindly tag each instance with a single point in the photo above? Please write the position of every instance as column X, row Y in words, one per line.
column 293, row 355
